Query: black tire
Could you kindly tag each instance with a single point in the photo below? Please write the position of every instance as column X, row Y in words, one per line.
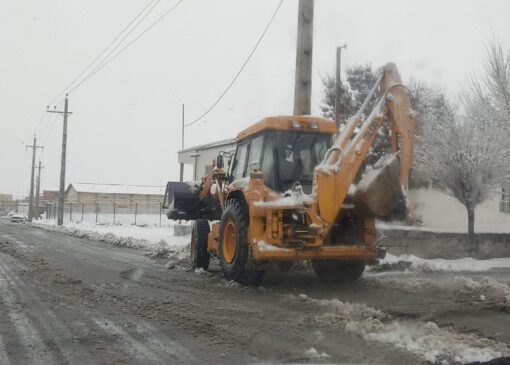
column 235, row 257
column 199, row 256
column 333, row 271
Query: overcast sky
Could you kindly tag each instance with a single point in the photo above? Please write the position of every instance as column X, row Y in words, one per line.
column 126, row 123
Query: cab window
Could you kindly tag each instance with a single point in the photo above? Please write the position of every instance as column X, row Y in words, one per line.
column 240, row 161
column 255, row 153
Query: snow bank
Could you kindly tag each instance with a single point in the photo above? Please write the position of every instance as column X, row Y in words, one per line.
column 466, row 264
column 426, row 339
column 157, row 241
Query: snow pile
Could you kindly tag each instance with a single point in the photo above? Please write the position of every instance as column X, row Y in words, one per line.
column 312, row 353
column 156, row 241
column 488, row 289
column 434, row 344
column 466, row 264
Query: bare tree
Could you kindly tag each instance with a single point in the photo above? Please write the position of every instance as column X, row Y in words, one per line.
column 488, row 97
column 466, row 160
column 469, row 158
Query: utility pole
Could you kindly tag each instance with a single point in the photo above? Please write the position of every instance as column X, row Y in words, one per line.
column 34, row 147
column 66, row 112
column 303, row 81
column 37, row 190
column 338, row 84
column 182, row 146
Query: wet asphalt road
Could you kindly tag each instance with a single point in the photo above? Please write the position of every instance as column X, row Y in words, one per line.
column 67, row 300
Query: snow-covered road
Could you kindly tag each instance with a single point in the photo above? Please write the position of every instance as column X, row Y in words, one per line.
column 66, row 298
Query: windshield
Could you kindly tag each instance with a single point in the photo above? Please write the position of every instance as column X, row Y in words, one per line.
column 298, row 154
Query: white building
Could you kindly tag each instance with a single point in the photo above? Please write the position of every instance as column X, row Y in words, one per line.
column 100, row 192
column 201, row 157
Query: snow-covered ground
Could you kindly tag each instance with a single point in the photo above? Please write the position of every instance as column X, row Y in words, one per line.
column 150, row 238
column 426, row 339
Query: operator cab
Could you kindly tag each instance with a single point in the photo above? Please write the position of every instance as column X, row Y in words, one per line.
column 285, row 149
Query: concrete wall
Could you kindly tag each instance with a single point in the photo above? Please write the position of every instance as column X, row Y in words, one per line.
column 429, row 244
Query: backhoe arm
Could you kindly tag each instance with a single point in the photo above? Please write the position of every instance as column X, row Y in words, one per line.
column 336, row 173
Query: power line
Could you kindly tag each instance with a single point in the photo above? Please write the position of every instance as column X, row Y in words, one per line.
column 104, row 50
column 93, row 72
column 40, row 122
column 241, row 69
column 51, row 124
column 40, row 131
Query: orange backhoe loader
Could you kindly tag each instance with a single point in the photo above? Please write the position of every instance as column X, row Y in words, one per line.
column 293, row 191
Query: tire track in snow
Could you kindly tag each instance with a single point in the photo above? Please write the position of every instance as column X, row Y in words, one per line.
column 29, row 336
column 132, row 346
column 49, row 322
column 146, row 342
column 4, row 359
column 160, row 343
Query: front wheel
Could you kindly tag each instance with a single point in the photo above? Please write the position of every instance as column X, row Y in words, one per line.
column 199, row 255
column 333, row 271
column 233, row 250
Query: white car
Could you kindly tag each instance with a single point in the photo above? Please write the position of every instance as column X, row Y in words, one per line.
column 17, row 218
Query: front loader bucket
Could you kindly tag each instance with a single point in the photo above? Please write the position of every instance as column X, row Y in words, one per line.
column 379, row 193
column 183, row 202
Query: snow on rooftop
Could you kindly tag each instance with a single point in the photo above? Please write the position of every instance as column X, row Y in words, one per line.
column 118, row 189
column 224, row 142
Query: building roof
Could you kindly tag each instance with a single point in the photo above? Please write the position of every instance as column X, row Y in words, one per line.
column 224, row 142
column 117, row 189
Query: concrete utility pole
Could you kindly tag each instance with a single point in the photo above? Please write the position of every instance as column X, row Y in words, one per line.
column 37, row 190
column 66, row 112
column 338, row 84
column 303, row 87
column 182, row 145
column 31, row 203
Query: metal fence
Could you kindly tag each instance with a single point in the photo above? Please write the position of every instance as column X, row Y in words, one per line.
column 148, row 213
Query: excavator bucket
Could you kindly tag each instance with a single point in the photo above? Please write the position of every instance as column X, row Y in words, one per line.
column 182, row 200
column 379, row 193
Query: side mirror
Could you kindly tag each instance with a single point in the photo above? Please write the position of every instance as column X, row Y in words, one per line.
column 219, row 162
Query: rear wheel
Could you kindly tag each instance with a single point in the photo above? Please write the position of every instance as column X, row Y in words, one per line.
column 199, row 256
column 233, row 249
column 333, row 271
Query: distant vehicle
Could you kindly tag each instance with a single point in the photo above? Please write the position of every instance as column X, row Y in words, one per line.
column 17, row 218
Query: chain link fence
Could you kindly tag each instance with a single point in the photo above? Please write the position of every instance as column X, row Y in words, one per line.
column 140, row 213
